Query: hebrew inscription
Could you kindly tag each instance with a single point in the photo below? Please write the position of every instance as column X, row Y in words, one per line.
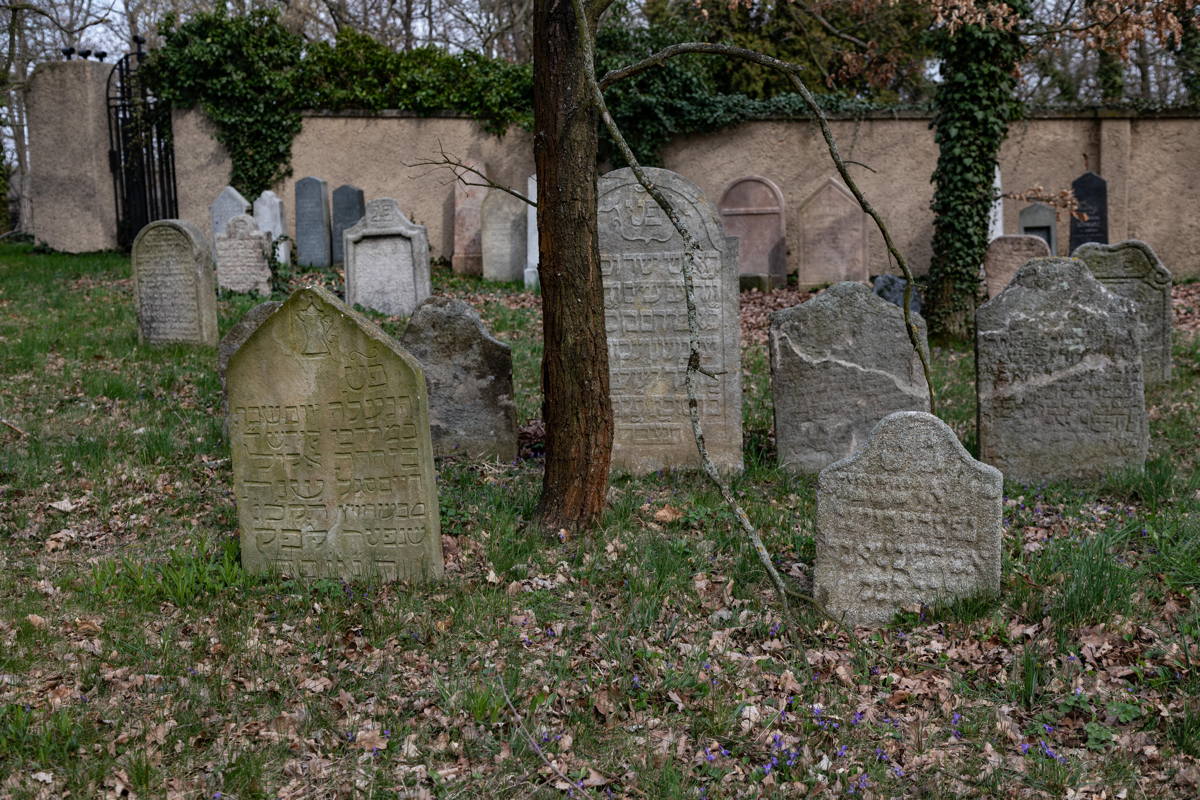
column 174, row 284
column 387, row 260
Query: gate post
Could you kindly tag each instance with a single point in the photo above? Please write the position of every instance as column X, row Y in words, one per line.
column 70, row 184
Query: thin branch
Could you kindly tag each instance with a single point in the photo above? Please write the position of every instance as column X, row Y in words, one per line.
column 14, row 427
column 527, row 735
column 455, row 165
column 829, row 28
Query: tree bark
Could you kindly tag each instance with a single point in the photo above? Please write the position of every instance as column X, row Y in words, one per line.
column 576, row 408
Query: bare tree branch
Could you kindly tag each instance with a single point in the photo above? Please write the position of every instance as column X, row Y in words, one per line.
column 455, row 165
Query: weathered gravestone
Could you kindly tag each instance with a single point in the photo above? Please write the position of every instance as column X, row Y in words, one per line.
column 911, row 519
column 1006, row 255
column 1059, row 377
column 891, row 288
column 174, row 284
column 332, row 461
column 236, row 336
column 641, row 261
column 1132, row 270
column 312, row 223
column 467, row 258
column 268, row 213
column 531, row 236
column 996, row 215
column 503, row 220
column 242, row 264
column 833, row 237
column 752, row 210
column 229, row 204
column 387, row 260
column 471, row 408
column 349, row 205
column 1092, row 193
column 1040, row 220
column 839, row 363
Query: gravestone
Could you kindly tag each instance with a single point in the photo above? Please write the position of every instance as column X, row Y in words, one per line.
column 349, row 205
column 471, row 408
column 531, row 235
column 242, row 250
column 1006, row 255
column 237, row 336
column 1059, row 377
column 839, row 363
column 891, row 288
column 641, row 262
column 833, row 237
column 503, row 221
column 312, row 223
column 387, row 260
column 332, row 461
column 268, row 214
column 1091, row 191
column 229, row 204
column 1132, row 270
column 752, row 210
column 467, row 258
column 1040, row 220
column 174, row 284
column 910, row 519
column 996, row 215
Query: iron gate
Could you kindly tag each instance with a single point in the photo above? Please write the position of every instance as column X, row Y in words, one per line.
column 140, row 152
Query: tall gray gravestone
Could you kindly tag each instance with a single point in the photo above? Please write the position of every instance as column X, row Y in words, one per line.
column 332, row 460
column 1039, row 219
column 910, row 519
column 1006, row 255
column 833, row 237
column 1091, row 191
column 387, row 260
column 752, row 210
column 503, row 222
column 268, row 214
column 892, row 287
column 467, row 258
column 471, row 408
column 1059, row 377
column 531, row 235
column 1132, row 270
column 229, row 204
column 349, row 205
column 641, row 261
column 312, row 223
column 174, row 284
column 242, row 253
column 840, row 363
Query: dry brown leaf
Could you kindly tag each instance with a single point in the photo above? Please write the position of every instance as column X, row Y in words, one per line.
column 668, row 514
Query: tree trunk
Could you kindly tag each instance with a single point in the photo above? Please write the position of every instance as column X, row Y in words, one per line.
column 576, row 408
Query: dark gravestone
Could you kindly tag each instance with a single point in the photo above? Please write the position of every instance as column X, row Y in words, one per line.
column 349, row 205
column 752, row 210
column 1040, row 220
column 312, row 223
column 891, row 288
column 1091, row 191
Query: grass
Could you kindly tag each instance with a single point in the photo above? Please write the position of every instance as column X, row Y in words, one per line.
column 645, row 658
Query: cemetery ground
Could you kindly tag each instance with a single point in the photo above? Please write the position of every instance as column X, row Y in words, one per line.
column 645, row 659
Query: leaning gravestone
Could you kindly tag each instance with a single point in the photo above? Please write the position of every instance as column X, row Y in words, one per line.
column 891, row 288
column 471, row 409
column 752, row 210
column 1132, row 270
column 229, row 204
column 839, row 363
column 1091, row 191
column 910, row 519
column 833, row 237
column 237, row 336
column 387, row 260
column 641, row 262
column 349, row 205
column 467, row 258
column 1059, row 377
column 531, row 236
column 503, row 238
column 312, row 223
column 1040, row 220
column 332, row 461
column 1006, row 255
column 242, row 264
column 268, row 214
column 174, row 284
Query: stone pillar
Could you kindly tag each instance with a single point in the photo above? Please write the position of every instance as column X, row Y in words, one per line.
column 1115, row 153
column 70, row 184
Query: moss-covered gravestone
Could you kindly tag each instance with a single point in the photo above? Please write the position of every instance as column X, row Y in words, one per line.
column 175, row 284
column 332, row 460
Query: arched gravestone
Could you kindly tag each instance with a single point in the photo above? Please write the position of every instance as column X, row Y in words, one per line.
column 268, row 213
column 1131, row 269
column 312, row 223
column 1092, row 193
column 752, row 210
column 641, row 260
column 1006, row 255
column 1040, row 220
column 242, row 252
column 332, row 460
column 229, row 204
column 833, row 237
column 349, row 206
column 1059, row 377
column 909, row 519
column 174, row 284
column 387, row 260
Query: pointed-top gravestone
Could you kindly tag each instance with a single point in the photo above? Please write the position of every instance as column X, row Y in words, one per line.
column 531, row 236
column 1091, row 191
column 1132, row 270
column 471, row 408
column 1006, row 255
column 349, row 205
column 839, row 363
column 312, row 223
column 242, row 253
column 1040, row 220
column 174, row 284
column 268, row 213
column 833, row 237
column 910, row 519
column 1059, row 377
column 229, row 204
column 641, row 262
column 387, row 260
column 752, row 210
column 467, row 258
column 332, row 460
column 503, row 220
